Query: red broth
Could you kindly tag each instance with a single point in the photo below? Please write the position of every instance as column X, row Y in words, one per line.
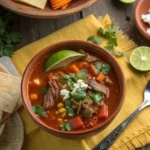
column 51, row 119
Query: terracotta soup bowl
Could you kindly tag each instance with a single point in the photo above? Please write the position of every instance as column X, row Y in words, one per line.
column 142, row 7
column 90, row 48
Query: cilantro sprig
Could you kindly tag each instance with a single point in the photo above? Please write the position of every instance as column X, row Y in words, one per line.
column 74, row 77
column 110, row 34
column 102, row 67
column 7, row 37
column 97, row 97
column 66, row 126
column 39, row 110
column 95, row 40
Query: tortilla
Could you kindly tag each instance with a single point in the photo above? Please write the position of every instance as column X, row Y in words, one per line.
column 13, row 134
column 10, row 92
column 2, row 126
column 3, row 69
column 35, row 3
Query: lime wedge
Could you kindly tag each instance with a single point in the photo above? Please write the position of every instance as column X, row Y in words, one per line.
column 61, row 58
column 140, row 58
column 127, row 1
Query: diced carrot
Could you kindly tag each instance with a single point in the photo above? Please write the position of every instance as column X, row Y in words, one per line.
column 92, row 70
column 100, row 77
column 83, row 65
column 56, row 4
column 74, row 69
column 76, row 123
column 33, row 96
column 65, row 6
column 102, row 112
column 51, row 76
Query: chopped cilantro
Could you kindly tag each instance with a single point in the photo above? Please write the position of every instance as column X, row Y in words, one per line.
column 44, row 90
column 110, row 49
column 64, row 79
column 70, row 84
column 79, row 94
column 39, row 110
column 68, row 103
column 102, row 67
column 7, row 38
column 112, row 42
column 70, row 112
column 66, row 126
column 73, row 77
column 98, row 66
column 82, row 74
column 120, row 54
column 97, row 97
column 95, row 40
column 105, row 68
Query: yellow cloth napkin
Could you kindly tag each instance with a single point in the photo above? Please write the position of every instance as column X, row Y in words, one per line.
column 136, row 134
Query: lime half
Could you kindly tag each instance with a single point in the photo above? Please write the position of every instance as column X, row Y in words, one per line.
column 140, row 58
column 127, row 1
column 61, row 58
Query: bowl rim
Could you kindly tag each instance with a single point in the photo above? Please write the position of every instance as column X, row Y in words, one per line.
column 36, row 13
column 136, row 16
column 48, row 128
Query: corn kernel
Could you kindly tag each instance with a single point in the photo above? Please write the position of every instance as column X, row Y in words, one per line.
column 60, row 120
column 56, row 112
column 61, row 110
column 60, row 105
column 66, row 120
column 63, row 115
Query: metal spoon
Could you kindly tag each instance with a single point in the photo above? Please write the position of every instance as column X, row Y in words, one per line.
column 110, row 139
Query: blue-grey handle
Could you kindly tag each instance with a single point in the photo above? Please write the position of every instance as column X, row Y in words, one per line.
column 110, row 139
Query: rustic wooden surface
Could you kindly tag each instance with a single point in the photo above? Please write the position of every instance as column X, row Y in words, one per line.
column 122, row 15
column 34, row 29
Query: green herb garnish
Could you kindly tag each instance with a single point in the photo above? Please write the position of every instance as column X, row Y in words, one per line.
column 7, row 38
column 70, row 112
column 66, row 126
column 110, row 49
column 68, row 103
column 82, row 74
column 65, row 78
column 105, row 68
column 97, row 97
column 95, row 40
column 79, row 94
column 110, row 34
column 101, row 67
column 39, row 110
column 121, row 54
column 44, row 90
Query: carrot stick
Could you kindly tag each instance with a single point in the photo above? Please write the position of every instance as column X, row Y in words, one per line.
column 65, row 6
column 92, row 70
column 56, row 4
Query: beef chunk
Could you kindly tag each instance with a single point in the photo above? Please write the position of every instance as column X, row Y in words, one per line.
column 52, row 95
column 97, row 86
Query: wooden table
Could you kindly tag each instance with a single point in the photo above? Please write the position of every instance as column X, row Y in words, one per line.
column 122, row 14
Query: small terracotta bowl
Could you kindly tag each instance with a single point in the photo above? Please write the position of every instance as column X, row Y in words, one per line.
column 74, row 45
column 142, row 7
